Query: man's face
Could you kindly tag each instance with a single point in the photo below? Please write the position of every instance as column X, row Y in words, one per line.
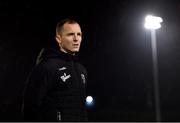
column 69, row 39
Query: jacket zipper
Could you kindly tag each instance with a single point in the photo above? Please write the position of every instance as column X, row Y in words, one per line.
column 58, row 116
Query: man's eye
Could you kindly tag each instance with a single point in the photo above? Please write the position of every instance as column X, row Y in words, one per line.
column 71, row 34
column 79, row 34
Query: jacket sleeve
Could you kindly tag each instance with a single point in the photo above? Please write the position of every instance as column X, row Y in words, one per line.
column 34, row 93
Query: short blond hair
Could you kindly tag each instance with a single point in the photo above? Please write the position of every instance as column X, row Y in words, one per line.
column 61, row 23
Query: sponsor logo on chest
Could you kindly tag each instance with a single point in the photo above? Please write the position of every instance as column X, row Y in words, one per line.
column 66, row 76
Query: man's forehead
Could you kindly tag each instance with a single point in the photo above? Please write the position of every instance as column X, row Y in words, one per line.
column 74, row 26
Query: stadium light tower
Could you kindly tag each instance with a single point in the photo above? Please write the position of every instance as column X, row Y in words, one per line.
column 153, row 23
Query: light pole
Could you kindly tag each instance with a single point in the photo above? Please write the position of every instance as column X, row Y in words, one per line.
column 153, row 23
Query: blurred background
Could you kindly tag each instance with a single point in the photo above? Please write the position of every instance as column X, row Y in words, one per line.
column 116, row 51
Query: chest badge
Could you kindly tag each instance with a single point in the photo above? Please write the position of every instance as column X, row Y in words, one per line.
column 65, row 77
column 83, row 78
column 62, row 68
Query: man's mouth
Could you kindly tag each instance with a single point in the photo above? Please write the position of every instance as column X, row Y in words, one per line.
column 75, row 45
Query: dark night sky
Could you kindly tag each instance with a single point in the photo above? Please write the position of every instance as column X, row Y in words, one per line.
column 116, row 51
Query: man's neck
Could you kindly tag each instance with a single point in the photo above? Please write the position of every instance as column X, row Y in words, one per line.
column 71, row 53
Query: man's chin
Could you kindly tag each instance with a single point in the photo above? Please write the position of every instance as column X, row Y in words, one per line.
column 74, row 52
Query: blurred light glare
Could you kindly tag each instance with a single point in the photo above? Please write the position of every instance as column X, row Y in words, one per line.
column 153, row 22
column 89, row 102
column 89, row 99
column 154, row 19
column 152, row 25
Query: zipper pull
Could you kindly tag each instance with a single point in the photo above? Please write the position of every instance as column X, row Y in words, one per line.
column 58, row 116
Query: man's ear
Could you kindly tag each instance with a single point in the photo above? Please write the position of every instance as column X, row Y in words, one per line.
column 58, row 38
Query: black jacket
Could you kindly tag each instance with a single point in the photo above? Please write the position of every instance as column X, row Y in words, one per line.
column 56, row 89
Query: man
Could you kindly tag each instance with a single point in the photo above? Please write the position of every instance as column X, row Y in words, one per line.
column 56, row 85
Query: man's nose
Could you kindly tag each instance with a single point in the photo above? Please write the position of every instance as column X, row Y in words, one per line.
column 75, row 38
